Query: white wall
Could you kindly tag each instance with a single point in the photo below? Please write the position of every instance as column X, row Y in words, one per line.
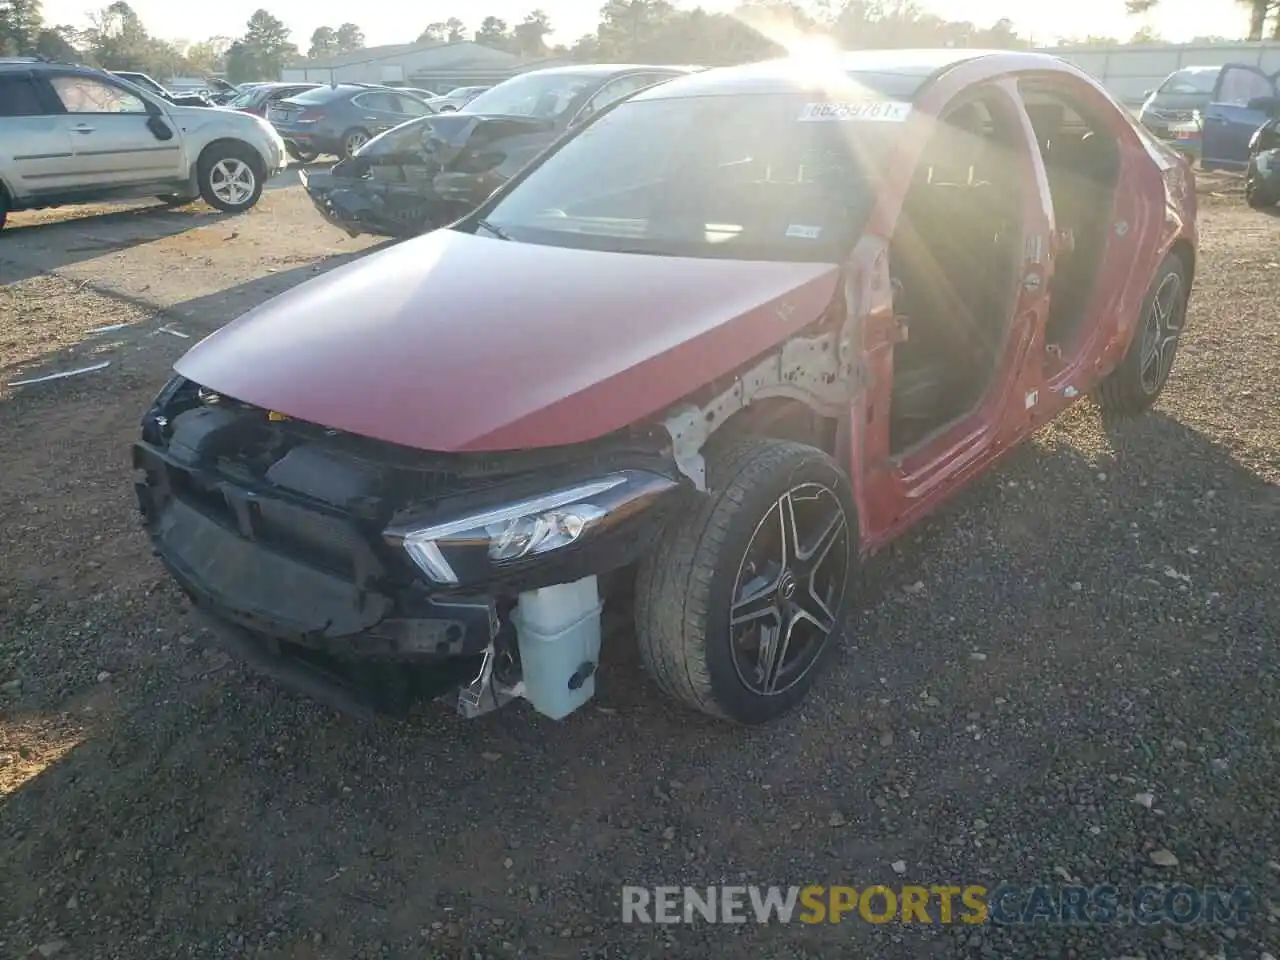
column 1129, row 71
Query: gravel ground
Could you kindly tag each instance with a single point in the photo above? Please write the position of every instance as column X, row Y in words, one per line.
column 1086, row 626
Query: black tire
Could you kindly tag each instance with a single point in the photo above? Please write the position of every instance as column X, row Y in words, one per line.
column 1133, row 386
column 686, row 584
column 353, row 140
column 4, row 208
column 218, row 161
column 1257, row 196
column 302, row 156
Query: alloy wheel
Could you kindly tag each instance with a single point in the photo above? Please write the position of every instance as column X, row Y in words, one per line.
column 791, row 580
column 1160, row 332
column 355, row 141
column 232, row 181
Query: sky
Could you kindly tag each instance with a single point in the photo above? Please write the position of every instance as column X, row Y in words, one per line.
column 391, row 21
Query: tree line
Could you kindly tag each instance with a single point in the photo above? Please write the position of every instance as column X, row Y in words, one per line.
column 650, row 31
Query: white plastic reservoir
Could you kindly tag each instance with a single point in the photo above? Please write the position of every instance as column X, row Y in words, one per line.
column 558, row 632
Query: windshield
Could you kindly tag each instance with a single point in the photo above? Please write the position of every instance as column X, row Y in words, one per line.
column 244, row 99
column 1196, row 80
column 738, row 177
column 546, row 96
column 406, row 138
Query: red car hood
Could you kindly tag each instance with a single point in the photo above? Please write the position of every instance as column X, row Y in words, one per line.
column 455, row 342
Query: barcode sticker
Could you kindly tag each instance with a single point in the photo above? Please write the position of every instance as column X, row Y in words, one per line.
column 884, row 111
column 804, row 231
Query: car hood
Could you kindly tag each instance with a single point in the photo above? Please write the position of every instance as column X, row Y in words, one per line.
column 454, row 342
column 438, row 141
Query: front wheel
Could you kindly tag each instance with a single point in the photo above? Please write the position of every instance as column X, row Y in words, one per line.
column 1137, row 381
column 745, row 594
column 231, row 178
column 1257, row 196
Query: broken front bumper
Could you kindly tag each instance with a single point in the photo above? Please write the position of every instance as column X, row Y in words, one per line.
column 370, row 206
column 297, row 570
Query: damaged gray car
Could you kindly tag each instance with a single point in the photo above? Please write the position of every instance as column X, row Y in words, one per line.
column 433, row 170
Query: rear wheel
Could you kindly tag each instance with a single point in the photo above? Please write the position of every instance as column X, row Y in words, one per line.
column 1135, row 384
column 4, row 208
column 230, row 177
column 745, row 594
column 352, row 141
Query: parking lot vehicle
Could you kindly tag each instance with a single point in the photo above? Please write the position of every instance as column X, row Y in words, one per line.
column 1244, row 98
column 154, row 87
column 457, row 98
column 738, row 332
column 430, row 171
column 339, row 119
column 1262, row 176
column 73, row 134
column 1178, row 99
column 258, row 98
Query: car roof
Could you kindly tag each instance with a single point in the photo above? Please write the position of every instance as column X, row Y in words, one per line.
column 892, row 73
column 40, row 64
column 601, row 69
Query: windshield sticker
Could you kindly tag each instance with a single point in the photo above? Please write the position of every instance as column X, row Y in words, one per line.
column 804, row 231
column 887, row 111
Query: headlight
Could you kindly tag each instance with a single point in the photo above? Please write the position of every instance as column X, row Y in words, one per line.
column 525, row 528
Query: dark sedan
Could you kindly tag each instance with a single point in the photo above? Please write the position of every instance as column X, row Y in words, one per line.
column 258, row 98
column 339, row 119
column 433, row 170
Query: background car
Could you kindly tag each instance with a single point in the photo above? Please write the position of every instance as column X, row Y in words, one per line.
column 1262, row 176
column 458, row 97
column 149, row 84
column 1178, row 98
column 339, row 119
column 259, row 98
column 74, row 134
column 1244, row 98
column 429, row 171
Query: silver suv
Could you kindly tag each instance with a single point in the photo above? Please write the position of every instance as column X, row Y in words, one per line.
column 73, row 134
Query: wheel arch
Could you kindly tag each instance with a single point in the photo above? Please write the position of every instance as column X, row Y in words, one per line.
column 1185, row 251
column 782, row 418
column 230, row 143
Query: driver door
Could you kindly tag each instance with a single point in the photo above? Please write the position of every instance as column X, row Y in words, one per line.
column 111, row 143
column 1229, row 120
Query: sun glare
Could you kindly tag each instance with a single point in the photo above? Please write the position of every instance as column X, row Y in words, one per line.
column 817, row 57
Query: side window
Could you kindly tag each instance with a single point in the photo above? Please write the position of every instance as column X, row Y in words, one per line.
column 378, row 100
column 411, row 106
column 615, row 90
column 90, row 95
column 19, row 97
column 1240, row 86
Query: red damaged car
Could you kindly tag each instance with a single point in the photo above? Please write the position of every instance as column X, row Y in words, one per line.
column 696, row 361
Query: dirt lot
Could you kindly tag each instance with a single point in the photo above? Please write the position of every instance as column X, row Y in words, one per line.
column 1094, row 623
